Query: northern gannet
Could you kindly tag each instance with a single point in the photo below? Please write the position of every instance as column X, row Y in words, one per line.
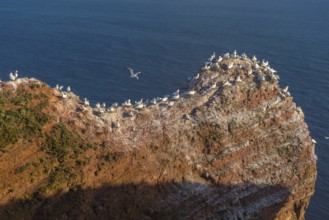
column 139, row 105
column 153, row 101
column 213, row 86
column 234, row 54
column 230, row 65
column 132, row 74
column 244, row 56
column 325, row 137
column 57, row 86
column 238, row 79
column 103, row 105
column 227, row 55
column 64, row 96
column 212, row 57
column 197, row 76
column 111, row 109
column 285, row 89
column 219, row 59
column 68, row 89
column 254, row 58
column 175, row 96
column 192, row 92
column 171, row 103
column 115, row 104
column 314, row 141
column 164, row 99
column 61, row 88
column 177, row 92
column 98, row 106
column 127, row 103
column 12, row 77
column 227, row 83
column 249, row 72
column 264, row 63
column 86, row 102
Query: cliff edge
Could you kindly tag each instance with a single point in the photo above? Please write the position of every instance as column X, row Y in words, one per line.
column 231, row 144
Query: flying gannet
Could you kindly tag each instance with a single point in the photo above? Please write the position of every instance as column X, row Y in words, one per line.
column 132, row 74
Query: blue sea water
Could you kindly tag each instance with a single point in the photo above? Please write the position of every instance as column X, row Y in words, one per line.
column 88, row 43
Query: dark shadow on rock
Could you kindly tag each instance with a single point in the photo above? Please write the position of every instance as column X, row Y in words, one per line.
column 161, row 201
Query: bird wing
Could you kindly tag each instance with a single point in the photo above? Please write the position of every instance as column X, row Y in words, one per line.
column 131, row 71
column 137, row 73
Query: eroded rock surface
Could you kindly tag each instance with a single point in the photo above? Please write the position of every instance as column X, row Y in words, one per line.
column 238, row 148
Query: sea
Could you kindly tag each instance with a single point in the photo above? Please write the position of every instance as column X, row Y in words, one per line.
column 88, row 44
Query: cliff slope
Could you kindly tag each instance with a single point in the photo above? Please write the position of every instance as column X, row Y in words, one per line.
column 232, row 146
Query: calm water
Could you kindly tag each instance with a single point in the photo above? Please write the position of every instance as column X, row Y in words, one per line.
column 87, row 45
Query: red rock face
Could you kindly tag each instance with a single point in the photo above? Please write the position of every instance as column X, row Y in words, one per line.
column 239, row 151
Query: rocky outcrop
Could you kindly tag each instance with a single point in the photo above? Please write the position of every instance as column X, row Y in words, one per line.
column 232, row 146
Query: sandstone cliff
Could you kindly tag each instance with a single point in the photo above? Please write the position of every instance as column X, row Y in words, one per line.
column 236, row 149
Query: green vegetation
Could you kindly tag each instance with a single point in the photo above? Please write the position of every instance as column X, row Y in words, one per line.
column 19, row 118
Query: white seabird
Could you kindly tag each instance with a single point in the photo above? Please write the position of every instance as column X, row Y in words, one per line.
column 175, row 96
column 132, row 74
column 238, row 79
column 68, row 89
column 219, row 59
column 264, row 63
column 249, row 72
column 234, row 54
column 111, row 109
column 226, row 55
column 61, row 88
column 227, row 83
column 171, row 103
column 314, row 141
column 64, row 95
column 213, row 86
column 153, row 101
column 325, row 137
column 212, row 57
column 98, row 106
column 254, row 58
column 197, row 76
column 164, row 99
column 285, row 89
column 127, row 103
column 244, row 56
column 192, row 92
column 12, row 77
column 86, row 102
column 230, row 65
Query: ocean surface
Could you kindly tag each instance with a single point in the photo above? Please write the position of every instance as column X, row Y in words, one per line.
column 88, row 43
